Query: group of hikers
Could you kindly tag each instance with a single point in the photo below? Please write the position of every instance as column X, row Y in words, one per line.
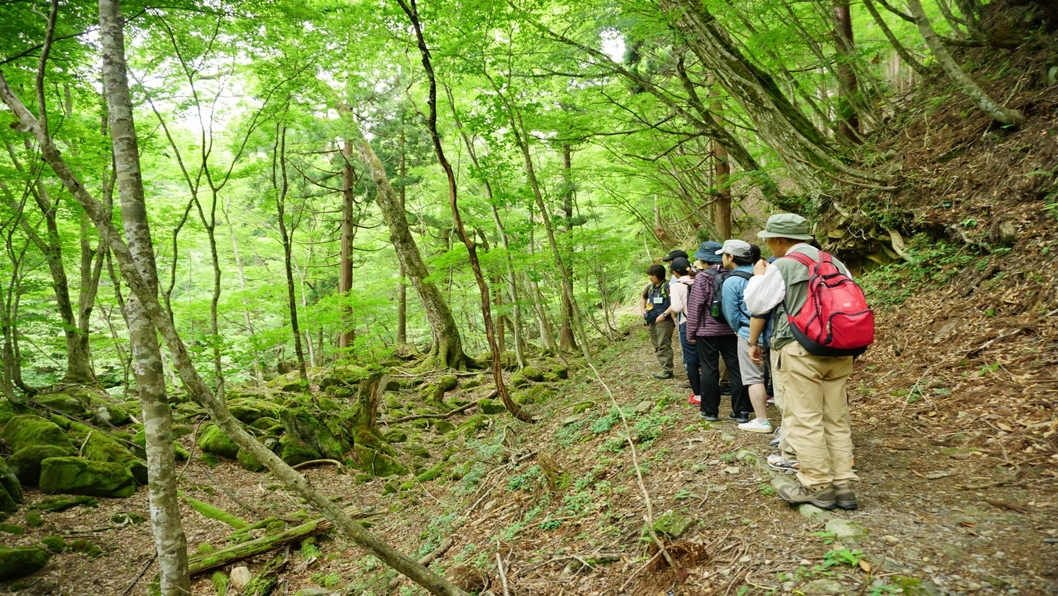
column 764, row 322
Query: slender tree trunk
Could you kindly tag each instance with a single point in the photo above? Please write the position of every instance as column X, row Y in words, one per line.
column 194, row 385
column 282, row 186
column 246, row 315
column 453, row 204
column 1001, row 113
column 169, row 538
column 447, row 347
column 345, row 268
column 566, row 339
column 402, row 193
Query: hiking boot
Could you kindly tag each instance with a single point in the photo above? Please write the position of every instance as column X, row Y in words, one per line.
column 664, row 375
column 739, row 417
column 845, row 498
column 709, row 417
column 756, row 426
column 780, row 463
column 695, row 400
column 795, row 494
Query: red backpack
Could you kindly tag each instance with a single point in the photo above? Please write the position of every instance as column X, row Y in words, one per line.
column 835, row 320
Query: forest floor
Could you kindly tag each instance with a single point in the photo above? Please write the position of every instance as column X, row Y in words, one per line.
column 954, row 424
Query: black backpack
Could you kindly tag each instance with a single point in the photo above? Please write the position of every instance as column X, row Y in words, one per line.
column 716, row 310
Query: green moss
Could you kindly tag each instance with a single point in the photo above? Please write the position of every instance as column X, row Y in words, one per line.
column 214, row 512
column 377, row 463
column 248, row 462
column 24, row 431
column 34, row 519
column 308, row 428
column 432, row 474
column 221, row 583
column 9, row 485
column 58, row 504
column 248, row 410
column 395, row 436
column 54, row 544
column 20, row 562
column 25, row 463
column 443, row 426
column 132, row 518
column 447, row 383
column 209, row 459
column 63, row 402
column 213, row 440
column 491, row 406
column 294, row 451
column 12, row 529
column 75, row 476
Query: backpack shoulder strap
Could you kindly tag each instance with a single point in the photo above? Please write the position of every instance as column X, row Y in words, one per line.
column 742, row 274
column 804, row 259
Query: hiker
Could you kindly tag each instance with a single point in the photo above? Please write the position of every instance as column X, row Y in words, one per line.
column 813, row 394
column 655, row 301
column 681, row 268
column 738, row 259
column 704, row 252
column 714, row 339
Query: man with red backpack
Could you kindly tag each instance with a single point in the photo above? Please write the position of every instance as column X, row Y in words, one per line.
column 819, row 321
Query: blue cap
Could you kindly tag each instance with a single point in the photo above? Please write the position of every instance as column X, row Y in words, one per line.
column 707, row 252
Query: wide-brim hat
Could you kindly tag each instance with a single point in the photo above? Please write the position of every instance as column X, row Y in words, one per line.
column 707, row 252
column 786, row 225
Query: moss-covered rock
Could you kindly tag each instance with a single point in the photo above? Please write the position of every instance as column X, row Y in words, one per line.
column 377, row 463
column 560, row 370
column 248, row 462
column 534, row 395
column 114, row 414
column 54, row 544
column 433, row 473
column 9, row 483
column 12, row 529
column 140, row 441
column 25, row 463
column 294, row 451
column 63, row 402
column 34, row 519
column 266, row 423
column 213, row 440
column 20, row 562
column 248, row 410
column 491, row 406
column 471, row 426
column 84, row 546
column 477, row 381
column 443, row 426
column 395, row 436
column 309, row 429
column 76, row 476
column 7, row 411
column 447, row 383
column 24, row 431
column 58, row 504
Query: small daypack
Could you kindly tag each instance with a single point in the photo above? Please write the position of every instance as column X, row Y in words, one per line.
column 716, row 309
column 835, row 320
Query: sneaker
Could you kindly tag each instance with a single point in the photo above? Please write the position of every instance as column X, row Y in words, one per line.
column 664, row 375
column 775, row 442
column 709, row 417
column 845, row 498
column 740, row 417
column 694, row 400
column 756, row 426
column 795, row 494
column 780, row 463
column 770, row 401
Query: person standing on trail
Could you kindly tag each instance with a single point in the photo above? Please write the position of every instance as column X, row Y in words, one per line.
column 654, row 304
column 681, row 268
column 714, row 339
column 738, row 259
column 815, row 409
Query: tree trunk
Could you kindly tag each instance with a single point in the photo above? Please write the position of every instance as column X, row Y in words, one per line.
column 1002, row 114
column 566, row 339
column 246, row 315
column 345, row 267
column 849, row 124
column 282, row 187
column 905, row 55
column 447, row 347
column 194, row 385
column 453, row 204
column 169, row 538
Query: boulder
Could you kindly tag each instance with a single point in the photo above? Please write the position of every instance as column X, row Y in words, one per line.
column 377, row 463
column 63, row 402
column 76, row 476
column 24, row 431
column 9, row 482
column 447, row 383
column 114, row 414
column 213, row 440
column 294, row 451
column 309, row 429
column 249, row 462
column 16, row 563
column 673, row 524
column 248, row 410
column 25, row 463
column 491, row 406
column 7, row 411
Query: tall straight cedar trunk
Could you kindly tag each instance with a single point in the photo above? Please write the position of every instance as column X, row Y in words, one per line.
column 849, row 124
column 169, row 539
column 194, row 385
column 447, row 348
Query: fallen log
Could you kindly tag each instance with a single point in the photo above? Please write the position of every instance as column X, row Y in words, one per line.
column 216, row 559
column 266, row 580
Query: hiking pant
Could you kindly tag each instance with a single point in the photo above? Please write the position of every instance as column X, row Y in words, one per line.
column 710, row 350
column 661, row 338
column 690, row 361
column 777, row 383
column 816, row 419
